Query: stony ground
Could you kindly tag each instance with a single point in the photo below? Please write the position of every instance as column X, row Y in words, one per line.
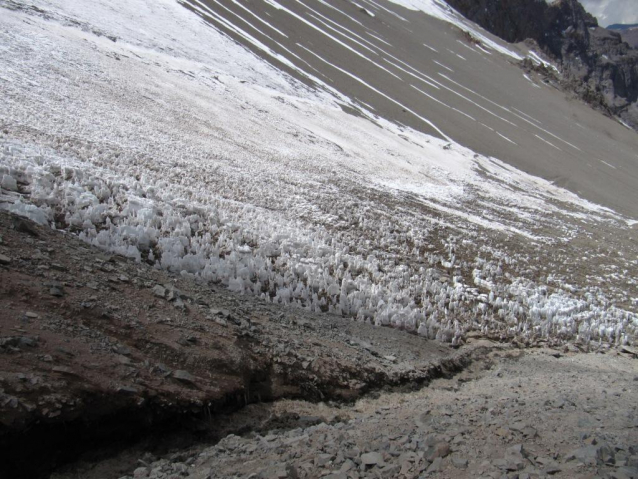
column 106, row 348
column 513, row 414
column 110, row 368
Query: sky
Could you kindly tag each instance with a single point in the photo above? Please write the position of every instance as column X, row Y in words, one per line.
column 612, row 11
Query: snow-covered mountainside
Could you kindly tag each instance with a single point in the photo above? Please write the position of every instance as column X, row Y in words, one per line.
column 386, row 161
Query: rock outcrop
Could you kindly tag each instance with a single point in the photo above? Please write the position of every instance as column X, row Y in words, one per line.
column 596, row 63
column 629, row 33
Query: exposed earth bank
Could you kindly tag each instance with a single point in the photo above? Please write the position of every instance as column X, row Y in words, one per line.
column 97, row 348
column 514, row 414
column 114, row 369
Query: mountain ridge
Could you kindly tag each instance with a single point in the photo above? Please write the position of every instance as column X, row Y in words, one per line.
column 622, row 26
column 282, row 207
column 596, row 64
column 628, row 32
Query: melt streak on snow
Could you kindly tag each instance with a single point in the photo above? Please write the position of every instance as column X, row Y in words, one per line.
column 147, row 132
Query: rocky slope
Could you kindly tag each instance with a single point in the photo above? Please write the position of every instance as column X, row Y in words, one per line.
column 595, row 62
column 112, row 369
column 629, row 33
column 266, row 229
column 96, row 349
column 513, row 414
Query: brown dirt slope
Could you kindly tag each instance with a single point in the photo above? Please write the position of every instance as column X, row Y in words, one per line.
column 95, row 348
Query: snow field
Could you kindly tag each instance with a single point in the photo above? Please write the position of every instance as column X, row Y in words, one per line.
column 253, row 251
column 234, row 173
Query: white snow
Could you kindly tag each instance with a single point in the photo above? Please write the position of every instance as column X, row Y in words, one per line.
column 441, row 10
column 505, row 138
column 608, row 164
column 443, row 66
column 475, row 103
column 367, row 85
column 625, row 124
column 441, row 103
column 378, row 38
column 381, row 7
column 431, row 48
column 415, row 75
column 545, row 141
column 176, row 146
column 538, row 60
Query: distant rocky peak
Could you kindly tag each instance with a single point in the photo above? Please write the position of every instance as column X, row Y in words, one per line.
column 628, row 33
column 598, row 64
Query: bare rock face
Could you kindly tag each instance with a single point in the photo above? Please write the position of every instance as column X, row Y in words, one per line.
column 629, row 33
column 596, row 63
column 631, row 37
